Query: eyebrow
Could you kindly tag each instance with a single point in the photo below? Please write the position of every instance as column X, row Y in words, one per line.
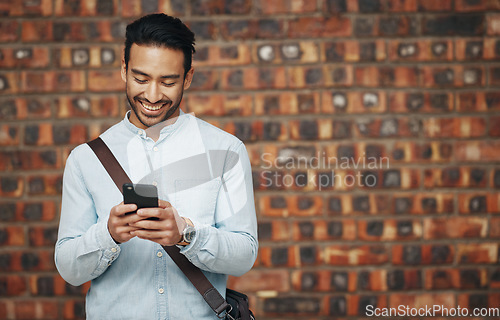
column 170, row 76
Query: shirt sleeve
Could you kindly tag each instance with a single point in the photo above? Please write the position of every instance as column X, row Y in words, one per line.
column 84, row 248
column 231, row 246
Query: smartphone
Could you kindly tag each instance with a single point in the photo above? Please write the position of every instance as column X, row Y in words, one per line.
column 143, row 195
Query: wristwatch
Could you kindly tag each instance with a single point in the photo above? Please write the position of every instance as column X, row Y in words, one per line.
column 188, row 233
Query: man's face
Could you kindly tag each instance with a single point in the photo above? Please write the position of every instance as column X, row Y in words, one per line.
column 155, row 83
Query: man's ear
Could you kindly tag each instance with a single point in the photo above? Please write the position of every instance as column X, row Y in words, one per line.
column 124, row 70
column 188, row 78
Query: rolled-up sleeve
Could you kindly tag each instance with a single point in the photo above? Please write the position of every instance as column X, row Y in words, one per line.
column 84, row 248
column 230, row 246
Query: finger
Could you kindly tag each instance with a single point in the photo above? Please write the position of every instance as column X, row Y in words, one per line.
column 163, row 238
column 122, row 209
column 164, row 204
column 166, row 225
column 160, row 213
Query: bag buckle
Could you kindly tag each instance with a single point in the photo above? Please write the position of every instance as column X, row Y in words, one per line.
column 227, row 310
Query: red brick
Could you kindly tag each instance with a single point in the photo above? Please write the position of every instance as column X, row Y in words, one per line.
column 398, row 77
column 274, row 231
column 9, row 82
column 480, row 101
column 423, row 50
column 9, row 31
column 442, row 279
column 253, row 78
column 36, row 30
column 22, row 8
column 420, row 102
column 220, row 105
column 289, row 53
column 44, row 185
column 286, row 103
column 370, row 204
column 42, row 260
column 480, row 151
column 452, row 76
column 93, row 56
column 389, row 230
column 486, row 302
column 494, row 76
column 320, row 27
column 233, row 55
column 477, row 253
column 262, row 280
column 84, row 8
column 475, row 202
column 83, row 106
column 344, row 255
column 23, row 108
column 353, row 51
column 329, row 75
column 422, row 300
column 494, row 228
column 481, row 5
column 30, row 310
column 35, row 57
column 476, row 49
column 430, row 5
column 243, row 29
column 455, row 228
column 357, row 102
column 324, row 230
column 11, row 186
column 9, row 135
column 14, row 236
column 401, row 5
column 52, row 81
column 204, row 80
column 454, row 177
column 426, row 254
column 493, row 22
column 29, row 160
column 283, row 6
column 105, row 81
column 15, row 285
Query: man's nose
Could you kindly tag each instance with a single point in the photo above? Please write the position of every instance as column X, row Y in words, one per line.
column 153, row 93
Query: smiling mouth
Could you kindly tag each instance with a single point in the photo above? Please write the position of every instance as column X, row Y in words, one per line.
column 151, row 107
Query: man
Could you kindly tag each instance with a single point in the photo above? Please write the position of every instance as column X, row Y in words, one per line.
column 203, row 177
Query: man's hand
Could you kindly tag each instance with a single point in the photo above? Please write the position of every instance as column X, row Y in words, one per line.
column 166, row 230
column 119, row 223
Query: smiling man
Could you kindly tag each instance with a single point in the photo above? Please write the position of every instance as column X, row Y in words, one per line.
column 203, row 178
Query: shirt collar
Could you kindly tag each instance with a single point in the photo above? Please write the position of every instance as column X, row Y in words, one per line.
column 166, row 126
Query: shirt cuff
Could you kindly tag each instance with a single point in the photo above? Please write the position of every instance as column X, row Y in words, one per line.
column 110, row 250
column 201, row 237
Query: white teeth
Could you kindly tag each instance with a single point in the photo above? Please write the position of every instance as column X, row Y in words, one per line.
column 151, row 108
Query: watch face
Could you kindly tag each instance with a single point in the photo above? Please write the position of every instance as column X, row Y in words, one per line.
column 189, row 234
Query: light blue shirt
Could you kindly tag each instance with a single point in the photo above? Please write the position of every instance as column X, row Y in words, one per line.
column 204, row 173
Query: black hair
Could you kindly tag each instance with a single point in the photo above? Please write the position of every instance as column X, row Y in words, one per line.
column 161, row 30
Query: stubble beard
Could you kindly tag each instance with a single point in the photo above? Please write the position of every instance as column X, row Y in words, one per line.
column 140, row 116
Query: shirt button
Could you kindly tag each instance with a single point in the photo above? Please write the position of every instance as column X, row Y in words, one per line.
column 159, row 254
column 155, row 183
column 155, row 149
column 113, row 250
column 161, row 291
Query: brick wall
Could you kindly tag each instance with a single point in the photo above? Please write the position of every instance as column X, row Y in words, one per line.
column 407, row 89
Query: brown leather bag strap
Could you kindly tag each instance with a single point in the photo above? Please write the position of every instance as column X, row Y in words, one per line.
column 193, row 273
column 109, row 162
